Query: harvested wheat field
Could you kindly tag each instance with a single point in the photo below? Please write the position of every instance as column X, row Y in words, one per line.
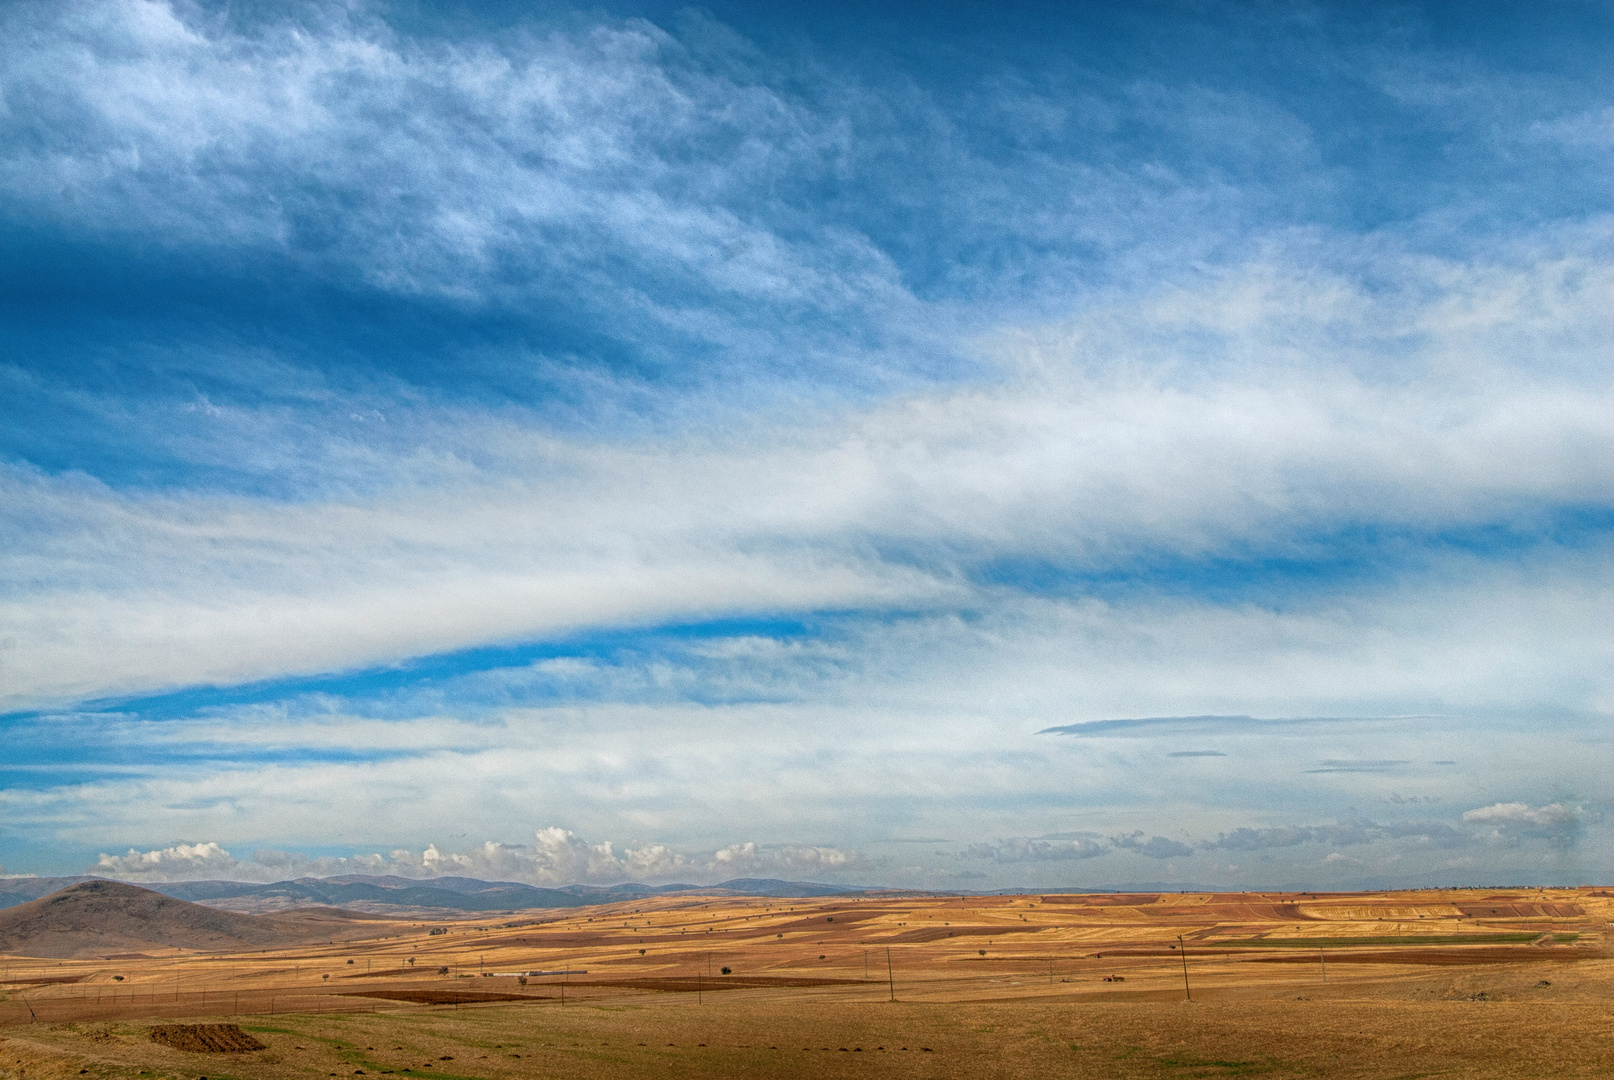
column 1437, row 983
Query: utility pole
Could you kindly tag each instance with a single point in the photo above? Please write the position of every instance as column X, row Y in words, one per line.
column 1182, row 948
column 891, row 979
column 1323, row 962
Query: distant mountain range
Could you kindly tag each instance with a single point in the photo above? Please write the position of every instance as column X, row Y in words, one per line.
column 398, row 895
column 428, row 897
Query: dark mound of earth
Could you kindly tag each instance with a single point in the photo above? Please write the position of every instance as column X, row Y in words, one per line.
column 206, row 1038
column 98, row 918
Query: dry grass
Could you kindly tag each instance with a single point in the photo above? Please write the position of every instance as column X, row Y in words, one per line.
column 802, row 1003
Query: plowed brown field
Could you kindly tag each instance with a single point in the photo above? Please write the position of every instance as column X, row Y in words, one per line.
column 1382, row 985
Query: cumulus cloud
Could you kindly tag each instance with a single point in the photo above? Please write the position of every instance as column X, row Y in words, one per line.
column 176, row 863
column 1511, row 823
column 1342, row 834
column 1155, row 847
column 209, row 860
column 556, row 857
column 1559, row 825
column 559, row 857
column 791, row 859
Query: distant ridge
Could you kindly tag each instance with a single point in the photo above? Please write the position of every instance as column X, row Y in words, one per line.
column 774, row 887
column 401, row 897
column 393, row 895
column 98, row 918
column 19, row 890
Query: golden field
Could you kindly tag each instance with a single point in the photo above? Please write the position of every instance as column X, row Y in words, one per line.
column 1432, row 983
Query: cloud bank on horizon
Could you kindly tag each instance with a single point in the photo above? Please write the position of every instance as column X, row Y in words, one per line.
column 670, row 445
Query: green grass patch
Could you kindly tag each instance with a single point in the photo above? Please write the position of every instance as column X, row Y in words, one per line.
column 1349, row 942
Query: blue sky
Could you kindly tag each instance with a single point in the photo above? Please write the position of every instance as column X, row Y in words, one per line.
column 940, row 446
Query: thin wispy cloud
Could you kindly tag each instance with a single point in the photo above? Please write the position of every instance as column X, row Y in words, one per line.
column 706, row 435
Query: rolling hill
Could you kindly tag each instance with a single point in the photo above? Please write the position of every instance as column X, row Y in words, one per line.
column 100, row 918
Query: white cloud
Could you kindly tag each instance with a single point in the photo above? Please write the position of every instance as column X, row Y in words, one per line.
column 1156, row 847
column 1024, row 849
column 1519, row 814
column 796, row 860
column 540, row 149
column 176, row 863
column 556, row 857
column 1556, row 823
column 1307, row 387
column 1260, row 469
column 898, row 505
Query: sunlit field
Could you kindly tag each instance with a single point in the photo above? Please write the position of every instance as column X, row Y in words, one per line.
column 1493, row 983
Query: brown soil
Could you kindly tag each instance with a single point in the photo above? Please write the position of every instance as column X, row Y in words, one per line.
column 688, row 984
column 672, row 1038
column 1026, row 986
column 206, row 1038
column 438, row 997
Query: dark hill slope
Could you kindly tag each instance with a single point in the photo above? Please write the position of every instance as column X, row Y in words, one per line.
column 95, row 918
